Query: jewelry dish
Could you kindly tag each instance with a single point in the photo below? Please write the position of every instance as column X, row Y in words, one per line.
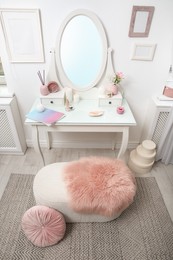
column 96, row 113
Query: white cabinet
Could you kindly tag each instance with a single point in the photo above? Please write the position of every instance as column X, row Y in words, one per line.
column 12, row 139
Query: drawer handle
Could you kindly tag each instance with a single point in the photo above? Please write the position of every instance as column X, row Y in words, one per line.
column 51, row 102
column 110, row 102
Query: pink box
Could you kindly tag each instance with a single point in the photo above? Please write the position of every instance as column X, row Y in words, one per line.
column 168, row 92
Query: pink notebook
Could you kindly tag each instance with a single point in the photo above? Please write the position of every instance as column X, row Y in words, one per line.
column 48, row 116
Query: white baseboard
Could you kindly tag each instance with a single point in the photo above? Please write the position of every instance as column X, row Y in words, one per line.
column 83, row 144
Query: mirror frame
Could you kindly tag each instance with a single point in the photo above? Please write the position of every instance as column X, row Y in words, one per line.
column 62, row 76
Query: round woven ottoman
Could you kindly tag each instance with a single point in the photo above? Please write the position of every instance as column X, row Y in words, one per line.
column 51, row 188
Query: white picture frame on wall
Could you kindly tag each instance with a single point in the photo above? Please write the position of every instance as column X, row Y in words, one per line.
column 23, row 34
column 143, row 51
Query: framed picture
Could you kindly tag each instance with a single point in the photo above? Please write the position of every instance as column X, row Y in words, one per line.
column 23, row 34
column 141, row 21
column 143, row 52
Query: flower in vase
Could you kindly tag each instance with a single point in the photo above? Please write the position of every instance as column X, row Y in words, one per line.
column 112, row 88
column 119, row 76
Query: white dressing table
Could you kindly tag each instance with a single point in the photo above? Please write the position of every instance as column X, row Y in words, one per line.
column 78, row 120
column 83, row 65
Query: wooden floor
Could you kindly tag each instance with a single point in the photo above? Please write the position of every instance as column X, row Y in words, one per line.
column 31, row 162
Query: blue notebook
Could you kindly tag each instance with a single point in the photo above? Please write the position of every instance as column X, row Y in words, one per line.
column 48, row 116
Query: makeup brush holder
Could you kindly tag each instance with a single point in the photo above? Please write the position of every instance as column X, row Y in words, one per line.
column 44, row 90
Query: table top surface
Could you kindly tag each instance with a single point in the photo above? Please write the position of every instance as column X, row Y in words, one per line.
column 80, row 115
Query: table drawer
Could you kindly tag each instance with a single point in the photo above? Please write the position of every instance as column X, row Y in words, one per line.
column 105, row 101
column 108, row 102
column 52, row 101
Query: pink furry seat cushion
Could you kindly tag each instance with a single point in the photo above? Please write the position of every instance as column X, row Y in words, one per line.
column 99, row 185
column 43, row 226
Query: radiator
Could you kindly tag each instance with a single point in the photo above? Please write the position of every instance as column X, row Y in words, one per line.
column 159, row 126
column 12, row 139
column 159, row 112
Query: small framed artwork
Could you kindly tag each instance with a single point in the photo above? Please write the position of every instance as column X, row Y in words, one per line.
column 143, row 52
column 23, row 34
column 141, row 19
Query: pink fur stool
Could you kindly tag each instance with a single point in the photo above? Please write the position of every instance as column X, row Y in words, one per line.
column 92, row 189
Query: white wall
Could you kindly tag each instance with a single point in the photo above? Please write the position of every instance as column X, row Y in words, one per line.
column 143, row 79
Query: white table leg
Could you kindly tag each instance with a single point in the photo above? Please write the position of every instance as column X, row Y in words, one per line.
column 36, row 143
column 113, row 145
column 47, row 135
column 124, row 143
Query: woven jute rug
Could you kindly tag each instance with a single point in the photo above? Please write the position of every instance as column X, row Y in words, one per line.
column 144, row 231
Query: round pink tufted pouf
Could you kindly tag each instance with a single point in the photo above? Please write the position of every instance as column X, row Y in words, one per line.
column 43, row 226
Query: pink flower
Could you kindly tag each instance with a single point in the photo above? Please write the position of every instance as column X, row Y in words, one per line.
column 118, row 77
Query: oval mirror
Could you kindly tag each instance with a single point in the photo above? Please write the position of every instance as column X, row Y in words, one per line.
column 81, row 50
